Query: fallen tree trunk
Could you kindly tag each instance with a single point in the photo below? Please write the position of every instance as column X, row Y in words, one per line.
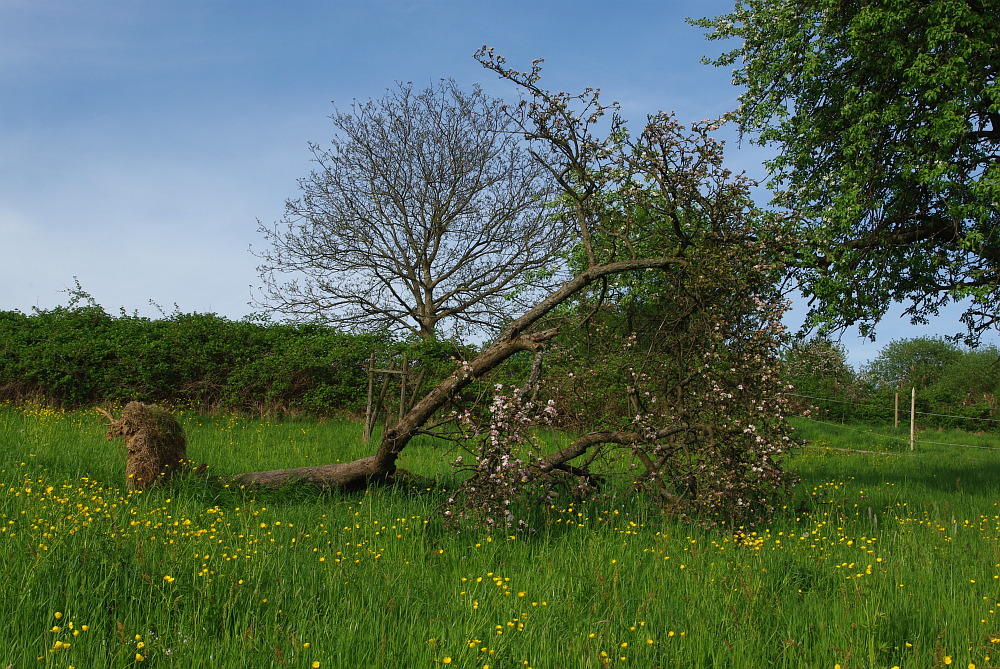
column 510, row 342
column 382, row 465
column 342, row 476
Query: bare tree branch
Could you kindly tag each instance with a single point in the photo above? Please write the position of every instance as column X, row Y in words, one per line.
column 425, row 209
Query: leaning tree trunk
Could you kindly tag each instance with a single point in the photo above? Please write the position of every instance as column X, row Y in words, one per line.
column 382, row 465
column 515, row 338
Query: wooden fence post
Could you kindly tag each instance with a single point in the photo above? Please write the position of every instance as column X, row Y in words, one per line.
column 403, row 378
column 369, row 415
column 376, row 402
column 913, row 416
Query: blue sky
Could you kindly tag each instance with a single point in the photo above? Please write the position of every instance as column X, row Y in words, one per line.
column 140, row 140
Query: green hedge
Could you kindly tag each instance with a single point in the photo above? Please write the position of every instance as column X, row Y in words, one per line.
column 81, row 356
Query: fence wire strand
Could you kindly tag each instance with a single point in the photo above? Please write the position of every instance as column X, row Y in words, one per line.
column 887, row 436
column 890, row 408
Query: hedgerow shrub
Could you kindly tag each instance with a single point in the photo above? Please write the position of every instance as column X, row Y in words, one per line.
column 80, row 355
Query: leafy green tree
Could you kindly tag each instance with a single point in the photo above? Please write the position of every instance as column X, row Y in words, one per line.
column 973, row 378
column 918, row 363
column 817, row 362
column 886, row 117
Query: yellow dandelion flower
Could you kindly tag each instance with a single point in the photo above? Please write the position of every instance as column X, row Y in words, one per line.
column 139, row 657
column 947, row 659
column 315, row 664
column 57, row 615
column 446, row 659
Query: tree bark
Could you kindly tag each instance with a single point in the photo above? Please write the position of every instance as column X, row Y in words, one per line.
column 343, row 476
column 382, row 465
column 510, row 342
column 588, row 441
column 396, row 438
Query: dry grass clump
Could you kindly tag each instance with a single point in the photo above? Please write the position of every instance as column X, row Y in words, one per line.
column 157, row 447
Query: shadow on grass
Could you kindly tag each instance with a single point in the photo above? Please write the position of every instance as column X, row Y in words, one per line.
column 938, row 477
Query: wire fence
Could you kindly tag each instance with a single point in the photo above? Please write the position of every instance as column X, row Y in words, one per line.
column 878, row 405
column 893, row 408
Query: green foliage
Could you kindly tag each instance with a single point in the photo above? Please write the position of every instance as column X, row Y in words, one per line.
column 79, row 355
column 912, row 363
column 822, row 380
column 886, row 116
column 956, row 387
column 973, row 377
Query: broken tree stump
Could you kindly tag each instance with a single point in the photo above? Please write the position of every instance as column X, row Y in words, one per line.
column 154, row 440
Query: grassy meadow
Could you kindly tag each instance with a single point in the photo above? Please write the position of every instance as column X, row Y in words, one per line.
column 882, row 559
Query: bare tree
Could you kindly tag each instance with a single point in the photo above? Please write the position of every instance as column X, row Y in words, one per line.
column 425, row 210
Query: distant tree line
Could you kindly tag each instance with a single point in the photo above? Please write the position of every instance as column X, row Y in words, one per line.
column 958, row 384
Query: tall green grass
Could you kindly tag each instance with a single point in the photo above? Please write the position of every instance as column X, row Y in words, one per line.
column 880, row 560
